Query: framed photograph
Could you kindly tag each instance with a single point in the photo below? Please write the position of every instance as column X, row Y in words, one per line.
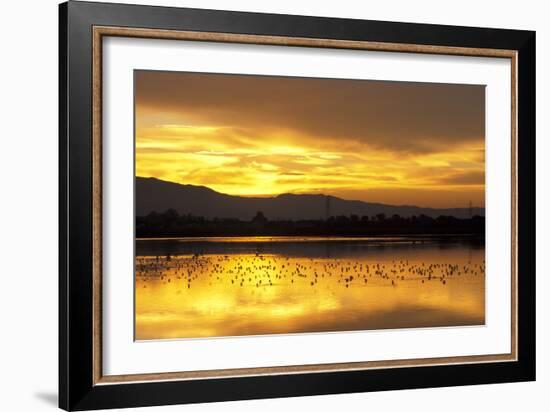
column 257, row 205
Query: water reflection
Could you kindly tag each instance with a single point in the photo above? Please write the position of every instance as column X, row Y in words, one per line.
column 250, row 286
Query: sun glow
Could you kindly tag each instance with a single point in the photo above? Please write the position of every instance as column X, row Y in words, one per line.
column 230, row 145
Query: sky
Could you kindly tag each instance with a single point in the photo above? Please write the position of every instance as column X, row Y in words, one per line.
column 389, row 142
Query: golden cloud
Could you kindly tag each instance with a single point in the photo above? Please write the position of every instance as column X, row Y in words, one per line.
column 399, row 143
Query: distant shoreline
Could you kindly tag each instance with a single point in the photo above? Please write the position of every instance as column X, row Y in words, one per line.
column 425, row 237
column 172, row 225
column 168, row 236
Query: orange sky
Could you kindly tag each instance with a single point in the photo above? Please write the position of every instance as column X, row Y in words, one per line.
column 388, row 142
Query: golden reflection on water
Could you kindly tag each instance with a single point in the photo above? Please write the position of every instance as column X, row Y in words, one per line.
column 206, row 295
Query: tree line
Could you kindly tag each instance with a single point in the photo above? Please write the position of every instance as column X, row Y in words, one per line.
column 172, row 224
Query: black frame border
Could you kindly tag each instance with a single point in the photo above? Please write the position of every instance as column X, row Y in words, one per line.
column 76, row 385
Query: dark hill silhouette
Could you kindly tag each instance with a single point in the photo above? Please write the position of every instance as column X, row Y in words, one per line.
column 154, row 195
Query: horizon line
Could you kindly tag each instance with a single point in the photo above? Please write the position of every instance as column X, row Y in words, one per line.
column 307, row 194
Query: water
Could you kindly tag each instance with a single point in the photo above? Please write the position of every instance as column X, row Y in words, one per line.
column 207, row 287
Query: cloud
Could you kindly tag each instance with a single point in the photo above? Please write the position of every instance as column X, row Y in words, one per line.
column 402, row 143
column 464, row 178
column 398, row 116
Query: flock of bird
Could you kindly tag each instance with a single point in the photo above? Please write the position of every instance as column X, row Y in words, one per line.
column 269, row 270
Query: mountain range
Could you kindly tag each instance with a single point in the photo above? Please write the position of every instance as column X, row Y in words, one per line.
column 154, row 195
